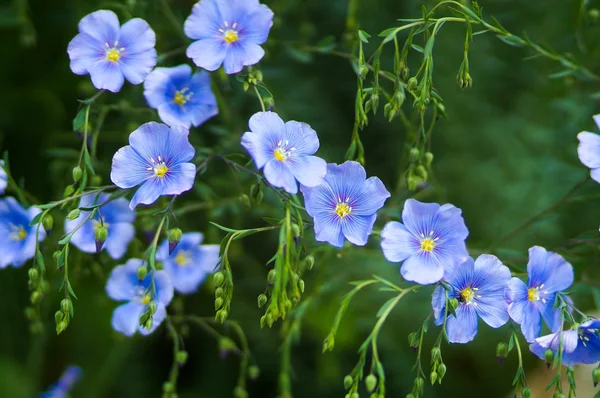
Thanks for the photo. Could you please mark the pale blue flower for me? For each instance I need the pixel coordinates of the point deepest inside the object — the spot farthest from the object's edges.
(3, 178)
(64, 385)
(18, 237)
(581, 345)
(589, 150)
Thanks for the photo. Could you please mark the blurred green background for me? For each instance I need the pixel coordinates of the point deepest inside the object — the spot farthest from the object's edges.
(506, 152)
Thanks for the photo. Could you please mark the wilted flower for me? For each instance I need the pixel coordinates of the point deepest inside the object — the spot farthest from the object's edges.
(124, 285)
(589, 150)
(18, 237)
(64, 385)
(429, 238)
(157, 157)
(285, 151)
(3, 178)
(111, 53)
(581, 345)
(189, 263)
(548, 273)
(227, 32)
(117, 218)
(345, 204)
(180, 97)
(479, 288)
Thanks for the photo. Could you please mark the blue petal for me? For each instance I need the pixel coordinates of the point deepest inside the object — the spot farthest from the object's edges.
(515, 294)
(256, 25)
(552, 316)
(278, 175)
(461, 275)
(595, 174)
(358, 228)
(397, 243)
(119, 237)
(438, 304)
(588, 354)
(136, 36)
(116, 211)
(531, 326)
(205, 20)
(301, 137)
(85, 237)
(158, 318)
(129, 169)
(241, 54)
(548, 269)
(422, 268)
(267, 129)
(3, 178)
(136, 67)
(172, 114)
(589, 149)
(462, 328)
(490, 277)
(107, 75)
(319, 200)
(207, 53)
(152, 139)
(179, 179)
(102, 25)
(123, 283)
(328, 229)
(346, 180)
(308, 170)
(126, 318)
(162, 83)
(84, 51)
(371, 197)
(164, 287)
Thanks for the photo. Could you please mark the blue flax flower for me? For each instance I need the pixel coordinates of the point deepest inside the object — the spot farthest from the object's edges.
(157, 157)
(189, 263)
(117, 218)
(3, 178)
(18, 238)
(429, 238)
(581, 345)
(227, 32)
(345, 204)
(548, 273)
(180, 97)
(111, 53)
(124, 285)
(589, 150)
(64, 385)
(479, 288)
(285, 151)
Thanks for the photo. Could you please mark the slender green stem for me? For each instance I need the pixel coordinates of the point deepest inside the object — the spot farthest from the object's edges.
(262, 104)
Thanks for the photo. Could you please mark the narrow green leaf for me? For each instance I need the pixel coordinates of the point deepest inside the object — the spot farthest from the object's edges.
(88, 162)
(71, 290)
(385, 306)
(79, 120)
(512, 40)
(363, 36)
(222, 228)
(36, 220)
(65, 240)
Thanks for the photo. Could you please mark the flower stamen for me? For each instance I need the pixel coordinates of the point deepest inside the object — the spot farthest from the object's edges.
(343, 209)
(181, 98)
(113, 54)
(18, 233)
(467, 295)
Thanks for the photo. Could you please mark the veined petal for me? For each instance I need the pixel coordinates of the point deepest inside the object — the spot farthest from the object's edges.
(173, 115)
(280, 176)
(129, 169)
(462, 327)
(207, 53)
(531, 325)
(308, 170)
(422, 268)
(319, 199)
(328, 229)
(204, 21)
(589, 149)
(84, 237)
(256, 25)
(126, 318)
(418, 217)
(358, 228)
(371, 197)
(551, 316)
(102, 25)
(135, 67)
(106, 75)
(301, 137)
(84, 51)
(561, 273)
(179, 179)
(241, 54)
(397, 243)
(136, 36)
(152, 139)
(438, 304)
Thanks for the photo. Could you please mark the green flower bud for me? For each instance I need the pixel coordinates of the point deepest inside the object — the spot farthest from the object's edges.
(375, 102)
(61, 326)
(433, 377)
(413, 83)
(348, 381)
(74, 214)
(239, 392)
(413, 154)
(371, 382)
(36, 297)
(245, 200)
(174, 238)
(222, 315)
(594, 14)
(526, 393)
(428, 158)
(548, 357)
(501, 351)
(411, 337)
(182, 357)
(410, 396)
(329, 343)
(596, 376)
(262, 300)
(295, 230)
(101, 235)
(48, 222)
(168, 387)
(66, 305)
(59, 316)
(148, 323)
(77, 173)
(436, 354)
(151, 307)
(399, 97)
(422, 172)
(301, 285)
(441, 371)
(219, 292)
(218, 278)
(309, 261)
(272, 276)
(142, 272)
(69, 191)
(218, 303)
(363, 71)
(33, 274)
(96, 181)
(418, 384)
(259, 197)
(253, 372)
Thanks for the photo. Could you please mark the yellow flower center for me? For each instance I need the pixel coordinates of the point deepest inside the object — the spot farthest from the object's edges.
(182, 96)
(146, 299)
(533, 294)
(182, 259)
(427, 244)
(280, 154)
(467, 295)
(160, 170)
(342, 209)
(230, 36)
(113, 55)
(18, 233)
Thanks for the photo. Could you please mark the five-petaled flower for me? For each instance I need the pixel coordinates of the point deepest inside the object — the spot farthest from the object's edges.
(64, 385)
(479, 288)
(157, 157)
(549, 274)
(589, 150)
(18, 237)
(111, 53)
(345, 204)
(124, 285)
(190, 262)
(580, 345)
(285, 151)
(114, 215)
(181, 98)
(430, 238)
(3, 178)
(227, 32)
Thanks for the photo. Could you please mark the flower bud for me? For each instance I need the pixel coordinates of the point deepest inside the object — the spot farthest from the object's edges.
(96, 181)
(441, 371)
(33, 274)
(69, 191)
(174, 238)
(262, 300)
(148, 323)
(36, 297)
(295, 230)
(413, 83)
(375, 102)
(219, 292)
(433, 377)
(501, 352)
(245, 200)
(301, 285)
(168, 387)
(56, 256)
(272, 276)
(218, 303)
(253, 372)
(548, 357)
(329, 343)
(418, 384)
(152, 307)
(596, 376)
(526, 393)
(363, 71)
(77, 173)
(66, 305)
(348, 382)
(309, 261)
(413, 154)
(182, 357)
(48, 222)
(428, 158)
(239, 392)
(435, 354)
(371, 382)
(74, 214)
(58, 316)
(221, 315)
(218, 278)
(422, 172)
(101, 235)
(411, 336)
(142, 271)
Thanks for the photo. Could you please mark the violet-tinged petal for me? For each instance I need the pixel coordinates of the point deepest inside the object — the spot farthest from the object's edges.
(136, 37)
(136, 67)
(358, 228)
(84, 52)
(462, 327)
(204, 20)
(207, 53)
(551, 316)
(122, 282)
(328, 229)
(280, 176)
(397, 243)
(438, 304)
(126, 318)
(102, 25)
(301, 137)
(107, 75)
(589, 149)
(129, 169)
(118, 239)
(422, 269)
(240, 55)
(308, 170)
(531, 326)
(259, 24)
(164, 287)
